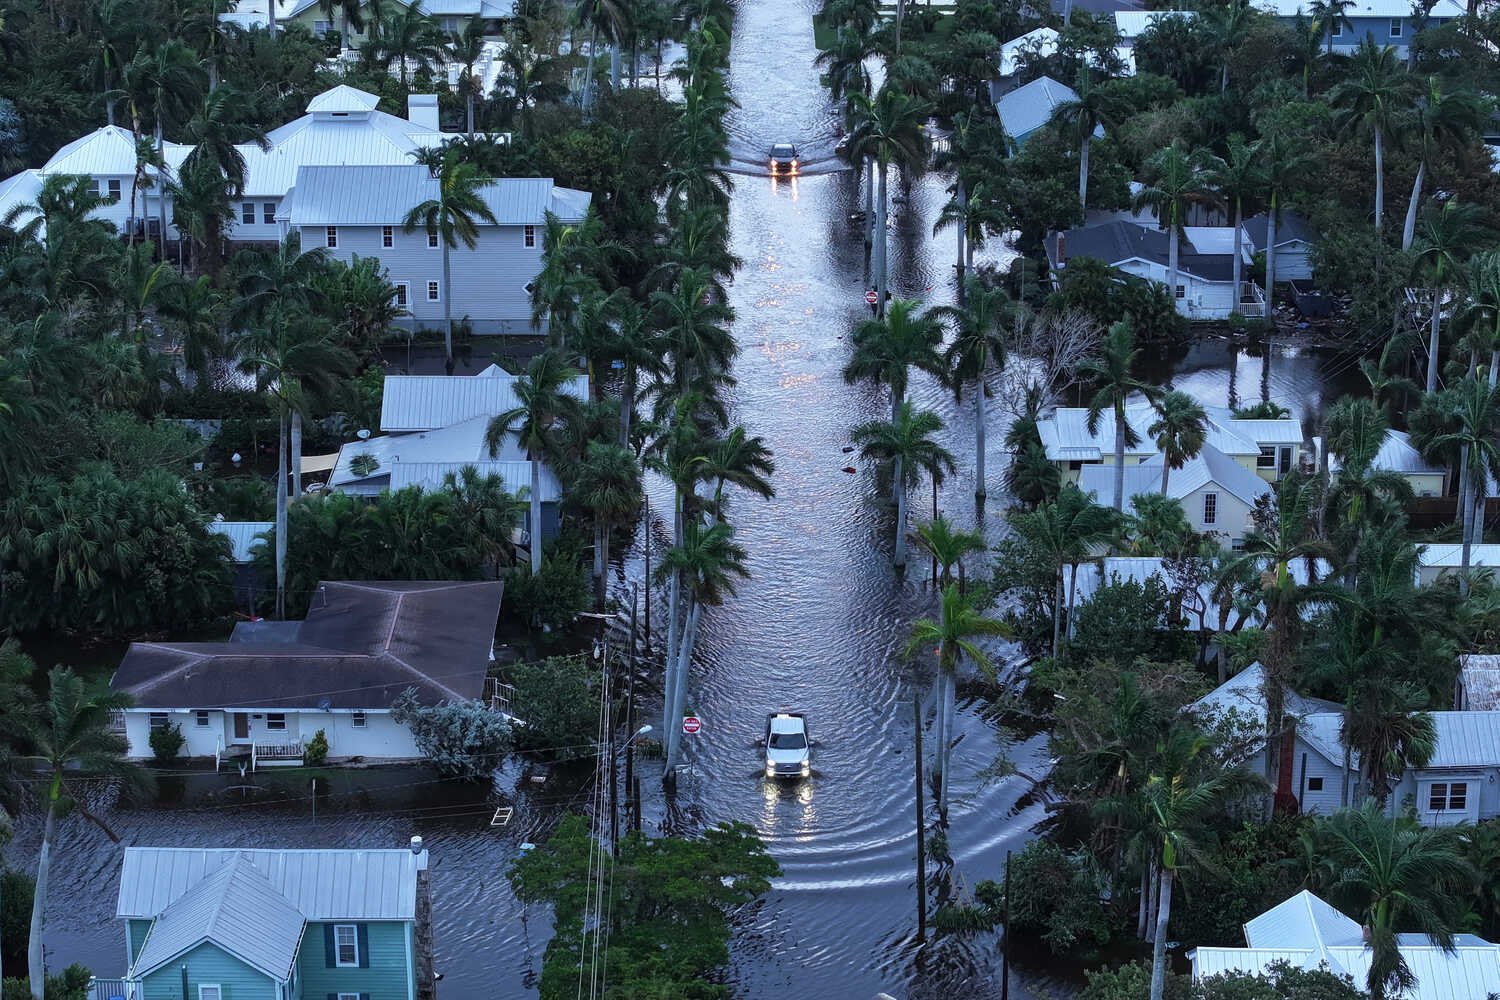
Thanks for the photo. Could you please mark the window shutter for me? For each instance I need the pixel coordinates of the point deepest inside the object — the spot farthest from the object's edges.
(330, 956)
(333, 996)
(364, 945)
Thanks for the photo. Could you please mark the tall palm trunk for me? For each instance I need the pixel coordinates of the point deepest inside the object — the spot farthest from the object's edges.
(588, 69)
(1159, 947)
(880, 238)
(1379, 177)
(627, 405)
(1173, 248)
(679, 687)
(35, 958)
(1120, 458)
(614, 65)
(950, 686)
(296, 458)
(900, 557)
(669, 665)
(979, 487)
(161, 194)
(1083, 169)
(1237, 268)
(1271, 258)
(963, 203)
(1166, 470)
(601, 540)
(1057, 610)
(869, 201)
(1434, 328)
(281, 514)
(1143, 910)
(536, 514)
(447, 302)
(1409, 231)
(1465, 491)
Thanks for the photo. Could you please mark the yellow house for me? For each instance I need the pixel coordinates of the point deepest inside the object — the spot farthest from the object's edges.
(1397, 455)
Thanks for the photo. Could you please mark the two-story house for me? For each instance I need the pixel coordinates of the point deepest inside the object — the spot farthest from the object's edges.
(1385, 22)
(237, 924)
(1217, 493)
(360, 210)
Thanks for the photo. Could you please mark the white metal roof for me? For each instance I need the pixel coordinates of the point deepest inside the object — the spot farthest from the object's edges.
(516, 476)
(1396, 454)
(462, 443)
(20, 189)
(363, 138)
(1362, 8)
(242, 536)
(1209, 466)
(108, 151)
(1465, 740)
(426, 402)
(1449, 555)
(235, 908)
(1303, 920)
(1028, 107)
(322, 884)
(1479, 678)
(343, 99)
(1043, 40)
(366, 195)
(1131, 23)
(1211, 239)
(1244, 694)
(1065, 433)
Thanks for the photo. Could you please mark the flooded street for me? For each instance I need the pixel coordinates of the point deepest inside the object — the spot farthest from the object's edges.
(819, 627)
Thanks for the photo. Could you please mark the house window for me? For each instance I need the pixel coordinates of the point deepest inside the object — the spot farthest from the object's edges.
(1448, 796)
(360, 720)
(345, 945)
(268, 212)
(333, 236)
(1314, 784)
(160, 720)
(276, 721)
(114, 190)
(432, 241)
(1267, 458)
(432, 291)
(210, 991)
(388, 236)
(201, 717)
(1182, 291)
(1076, 465)
(348, 996)
(1337, 30)
(322, 27)
(1396, 26)
(1210, 508)
(530, 236)
(401, 294)
(247, 213)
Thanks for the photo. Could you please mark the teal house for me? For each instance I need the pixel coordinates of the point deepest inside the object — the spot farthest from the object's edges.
(229, 924)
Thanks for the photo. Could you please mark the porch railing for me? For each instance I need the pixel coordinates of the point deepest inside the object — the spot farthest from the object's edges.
(112, 989)
(1250, 301)
(273, 754)
(499, 695)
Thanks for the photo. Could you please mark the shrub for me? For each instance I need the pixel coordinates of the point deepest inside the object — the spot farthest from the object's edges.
(1123, 621)
(1055, 894)
(553, 597)
(463, 739)
(316, 751)
(70, 984)
(166, 742)
(555, 697)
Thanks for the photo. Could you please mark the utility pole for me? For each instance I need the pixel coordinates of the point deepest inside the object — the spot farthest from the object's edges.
(647, 544)
(1005, 942)
(630, 711)
(916, 705)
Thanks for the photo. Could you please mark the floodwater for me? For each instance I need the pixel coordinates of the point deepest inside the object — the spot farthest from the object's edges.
(819, 627)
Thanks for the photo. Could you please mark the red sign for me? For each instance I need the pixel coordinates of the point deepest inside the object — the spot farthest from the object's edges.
(691, 724)
(871, 297)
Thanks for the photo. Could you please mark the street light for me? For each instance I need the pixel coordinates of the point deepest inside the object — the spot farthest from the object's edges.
(614, 810)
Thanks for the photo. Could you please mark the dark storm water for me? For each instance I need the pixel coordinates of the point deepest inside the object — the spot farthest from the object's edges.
(819, 627)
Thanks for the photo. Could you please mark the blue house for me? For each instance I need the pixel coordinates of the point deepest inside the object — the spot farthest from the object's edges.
(230, 924)
(1386, 22)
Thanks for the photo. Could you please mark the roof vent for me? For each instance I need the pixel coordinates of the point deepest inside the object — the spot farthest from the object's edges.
(416, 844)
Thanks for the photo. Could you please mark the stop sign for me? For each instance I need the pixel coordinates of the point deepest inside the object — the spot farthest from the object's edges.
(691, 724)
(871, 297)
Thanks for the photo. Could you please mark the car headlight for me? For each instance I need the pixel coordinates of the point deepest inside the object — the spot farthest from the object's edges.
(770, 768)
(806, 768)
(794, 164)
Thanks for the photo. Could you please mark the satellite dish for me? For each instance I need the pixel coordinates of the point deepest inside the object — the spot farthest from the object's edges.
(363, 433)
(324, 704)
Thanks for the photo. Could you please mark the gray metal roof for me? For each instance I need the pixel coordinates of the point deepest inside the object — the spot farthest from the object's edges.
(343, 99)
(1465, 739)
(427, 402)
(1291, 227)
(322, 885)
(1029, 107)
(242, 536)
(516, 475)
(361, 645)
(1130, 24)
(364, 195)
(236, 908)
(1479, 681)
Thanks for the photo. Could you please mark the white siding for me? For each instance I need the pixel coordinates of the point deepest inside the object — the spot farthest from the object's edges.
(1202, 299)
(380, 738)
(1232, 517)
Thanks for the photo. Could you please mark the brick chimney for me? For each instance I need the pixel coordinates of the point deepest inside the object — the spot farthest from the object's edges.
(1062, 247)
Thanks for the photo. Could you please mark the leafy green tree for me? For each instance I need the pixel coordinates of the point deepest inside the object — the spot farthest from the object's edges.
(906, 445)
(558, 699)
(68, 741)
(463, 739)
(1065, 530)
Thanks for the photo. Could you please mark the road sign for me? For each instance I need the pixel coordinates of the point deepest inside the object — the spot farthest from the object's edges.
(871, 297)
(691, 724)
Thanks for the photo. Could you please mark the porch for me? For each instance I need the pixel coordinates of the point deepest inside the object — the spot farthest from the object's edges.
(258, 755)
(112, 989)
(1250, 301)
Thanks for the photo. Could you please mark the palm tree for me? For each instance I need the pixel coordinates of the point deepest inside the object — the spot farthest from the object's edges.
(1067, 530)
(1228, 25)
(639, 348)
(1180, 179)
(1238, 178)
(888, 129)
(971, 214)
(542, 406)
(408, 37)
(1331, 15)
(844, 65)
(465, 47)
(706, 561)
(351, 15)
(1446, 239)
(165, 82)
(906, 445)
(217, 131)
(977, 349)
(613, 19)
(1180, 429)
(293, 357)
(1393, 874)
(484, 512)
(608, 484)
(1481, 310)
(526, 80)
(1284, 166)
(737, 459)
(1094, 108)
(1116, 384)
(888, 348)
(696, 329)
(1439, 121)
(69, 743)
(1475, 410)
(954, 635)
(452, 216)
(1372, 97)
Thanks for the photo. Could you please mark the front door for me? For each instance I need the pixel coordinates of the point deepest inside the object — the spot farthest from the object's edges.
(241, 726)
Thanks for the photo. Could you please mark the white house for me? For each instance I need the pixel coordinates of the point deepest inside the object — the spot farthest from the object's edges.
(359, 210)
(1295, 237)
(1269, 448)
(1441, 558)
(1305, 932)
(264, 693)
(1216, 492)
(1397, 455)
(1205, 263)
(1386, 22)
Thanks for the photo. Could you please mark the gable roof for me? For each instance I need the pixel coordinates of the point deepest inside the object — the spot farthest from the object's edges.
(235, 908)
(1207, 253)
(360, 646)
(1291, 227)
(1209, 467)
(107, 150)
(433, 453)
(1030, 106)
(427, 402)
(1396, 454)
(242, 536)
(1043, 39)
(1362, 8)
(1302, 920)
(321, 884)
(376, 195)
(1244, 694)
